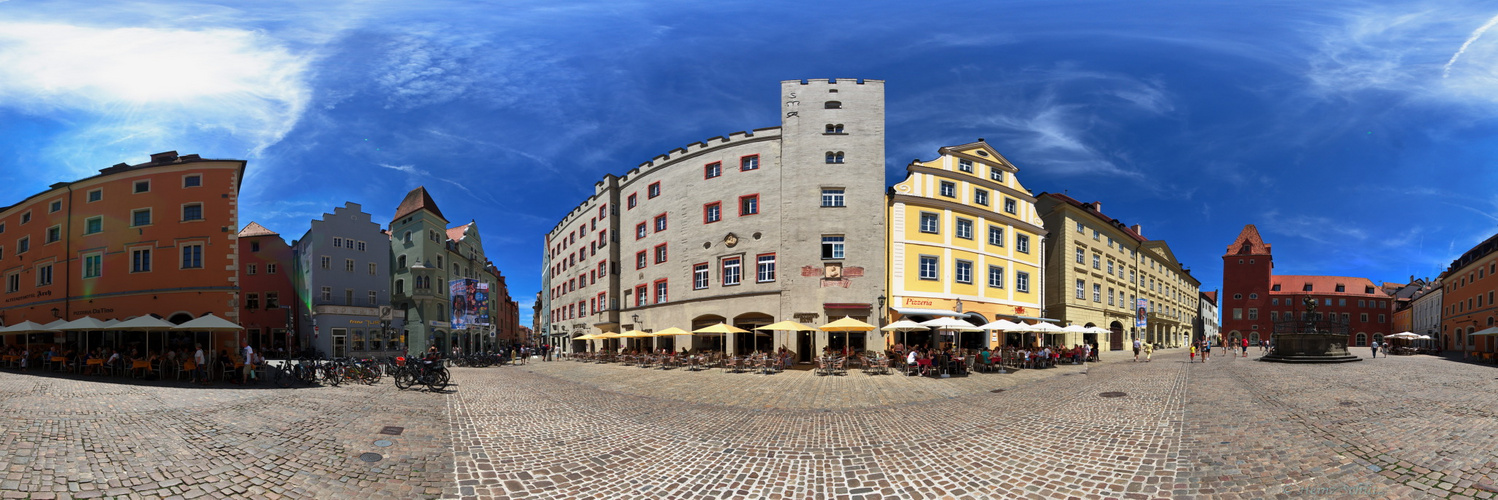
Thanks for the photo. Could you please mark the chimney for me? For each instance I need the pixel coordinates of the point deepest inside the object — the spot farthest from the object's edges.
(1139, 230)
(166, 157)
(1097, 206)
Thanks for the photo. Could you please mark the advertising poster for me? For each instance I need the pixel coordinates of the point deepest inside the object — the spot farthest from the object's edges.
(470, 303)
(481, 299)
(1141, 310)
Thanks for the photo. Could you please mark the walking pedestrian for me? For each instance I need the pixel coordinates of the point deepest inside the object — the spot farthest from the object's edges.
(1136, 350)
(1245, 347)
(1375, 349)
(1149, 350)
(1206, 350)
(1193, 353)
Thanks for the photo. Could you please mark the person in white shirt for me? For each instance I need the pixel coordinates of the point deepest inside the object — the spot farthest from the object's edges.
(247, 356)
(198, 369)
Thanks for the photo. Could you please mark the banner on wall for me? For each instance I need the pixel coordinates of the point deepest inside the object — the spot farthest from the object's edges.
(470, 303)
(1141, 310)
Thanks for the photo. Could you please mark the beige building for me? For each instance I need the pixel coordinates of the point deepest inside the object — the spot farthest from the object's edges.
(1104, 273)
(782, 223)
(965, 242)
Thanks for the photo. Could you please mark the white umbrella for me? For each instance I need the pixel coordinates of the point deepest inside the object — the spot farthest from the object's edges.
(903, 325)
(948, 323)
(1004, 325)
(209, 323)
(86, 323)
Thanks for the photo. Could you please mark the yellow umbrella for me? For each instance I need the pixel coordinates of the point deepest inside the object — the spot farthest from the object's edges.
(788, 326)
(671, 331)
(634, 334)
(848, 325)
(584, 337)
(720, 328)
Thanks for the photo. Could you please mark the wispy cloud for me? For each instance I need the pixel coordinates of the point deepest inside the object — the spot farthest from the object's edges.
(1401, 49)
(1446, 70)
(409, 169)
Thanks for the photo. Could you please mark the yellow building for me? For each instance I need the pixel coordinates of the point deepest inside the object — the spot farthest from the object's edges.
(964, 241)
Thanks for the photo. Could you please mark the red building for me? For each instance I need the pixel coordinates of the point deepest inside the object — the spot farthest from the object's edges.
(265, 284)
(1253, 298)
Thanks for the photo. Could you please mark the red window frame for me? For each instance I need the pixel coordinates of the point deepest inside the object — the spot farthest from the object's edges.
(755, 196)
(723, 271)
(708, 206)
(593, 306)
(603, 268)
(743, 160)
(707, 170)
(634, 199)
(642, 295)
(603, 211)
(660, 254)
(660, 222)
(641, 259)
(603, 304)
(603, 238)
(641, 230)
(756, 268)
(653, 190)
(662, 289)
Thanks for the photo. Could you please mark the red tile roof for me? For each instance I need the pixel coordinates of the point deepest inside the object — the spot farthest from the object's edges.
(1293, 284)
(255, 229)
(456, 233)
(1211, 295)
(417, 199)
(1249, 243)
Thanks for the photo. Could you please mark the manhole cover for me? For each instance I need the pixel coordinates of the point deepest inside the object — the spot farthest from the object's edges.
(370, 457)
(1113, 394)
(383, 443)
(393, 431)
(996, 391)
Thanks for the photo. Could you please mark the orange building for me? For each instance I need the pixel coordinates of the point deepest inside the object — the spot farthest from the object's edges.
(154, 238)
(265, 268)
(1467, 303)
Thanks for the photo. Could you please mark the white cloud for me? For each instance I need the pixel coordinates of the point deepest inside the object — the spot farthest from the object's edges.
(1446, 70)
(1428, 52)
(145, 89)
(410, 169)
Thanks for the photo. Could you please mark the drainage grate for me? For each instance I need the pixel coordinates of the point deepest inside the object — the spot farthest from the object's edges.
(1113, 394)
(393, 431)
(996, 391)
(383, 443)
(371, 457)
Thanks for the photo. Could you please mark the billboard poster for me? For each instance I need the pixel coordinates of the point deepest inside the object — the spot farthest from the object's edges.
(481, 299)
(1141, 309)
(470, 303)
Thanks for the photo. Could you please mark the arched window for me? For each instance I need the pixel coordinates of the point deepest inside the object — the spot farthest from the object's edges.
(400, 262)
(400, 286)
(1362, 339)
(834, 105)
(835, 129)
(834, 157)
(408, 236)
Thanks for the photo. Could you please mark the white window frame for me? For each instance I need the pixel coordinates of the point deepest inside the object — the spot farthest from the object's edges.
(98, 261)
(96, 218)
(700, 276)
(1022, 282)
(733, 270)
(962, 271)
(838, 247)
(1082, 289)
(764, 268)
(995, 235)
(834, 197)
(182, 257)
(995, 276)
(928, 267)
(964, 228)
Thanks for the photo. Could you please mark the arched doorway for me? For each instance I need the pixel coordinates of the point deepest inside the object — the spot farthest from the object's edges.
(1378, 337)
(1115, 336)
(1253, 338)
(744, 343)
(714, 342)
(1360, 340)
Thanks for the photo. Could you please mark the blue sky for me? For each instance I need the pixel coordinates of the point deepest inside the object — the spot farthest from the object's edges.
(1359, 137)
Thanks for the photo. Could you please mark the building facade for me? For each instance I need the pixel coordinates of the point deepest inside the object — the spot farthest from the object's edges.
(1207, 324)
(155, 238)
(965, 241)
(783, 223)
(1468, 298)
(268, 309)
(1104, 273)
(449, 290)
(1254, 298)
(343, 280)
(1425, 314)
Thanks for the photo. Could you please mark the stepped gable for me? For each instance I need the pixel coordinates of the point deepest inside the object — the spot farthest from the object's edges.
(1249, 243)
(455, 234)
(255, 229)
(417, 199)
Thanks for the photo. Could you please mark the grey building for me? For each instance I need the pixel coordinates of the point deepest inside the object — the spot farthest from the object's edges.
(343, 281)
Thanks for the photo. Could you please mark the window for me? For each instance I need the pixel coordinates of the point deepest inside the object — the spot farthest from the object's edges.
(373, 269)
(26, 217)
(326, 262)
(1255, 296)
(765, 268)
(995, 277)
(252, 301)
(1380, 318)
(948, 189)
(142, 186)
(640, 231)
(1341, 288)
(1237, 313)
(54, 206)
(751, 162)
(965, 165)
(1307, 287)
(964, 228)
(337, 242)
(749, 205)
(699, 276)
(1081, 289)
(832, 247)
(1097, 261)
(360, 246)
(12, 282)
(733, 268)
(633, 200)
(603, 238)
(653, 190)
(348, 296)
(660, 291)
(1080, 228)
(95, 195)
(712, 212)
(1274, 315)
(963, 272)
(660, 253)
(714, 169)
(23, 245)
(251, 269)
(995, 174)
(44, 275)
(996, 236)
(54, 234)
(140, 260)
(141, 217)
(327, 294)
(192, 212)
(642, 296)
(641, 260)
(1253, 313)
(1110, 266)
(834, 128)
(1022, 282)
(192, 256)
(1011, 206)
(980, 196)
(270, 269)
(1110, 295)
(1097, 293)
(833, 105)
(1363, 317)
(834, 157)
(928, 223)
(928, 267)
(190, 181)
(1022, 243)
(833, 198)
(660, 223)
(93, 265)
(374, 298)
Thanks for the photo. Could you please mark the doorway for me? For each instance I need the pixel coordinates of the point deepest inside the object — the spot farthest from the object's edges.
(1115, 337)
(340, 339)
(803, 347)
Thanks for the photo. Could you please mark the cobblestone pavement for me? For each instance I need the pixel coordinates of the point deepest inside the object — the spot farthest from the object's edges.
(86, 438)
(1403, 427)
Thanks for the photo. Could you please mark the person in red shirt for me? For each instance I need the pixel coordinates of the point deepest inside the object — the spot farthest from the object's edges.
(1245, 347)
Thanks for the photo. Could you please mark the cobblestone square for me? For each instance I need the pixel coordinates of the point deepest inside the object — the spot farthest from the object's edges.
(1402, 427)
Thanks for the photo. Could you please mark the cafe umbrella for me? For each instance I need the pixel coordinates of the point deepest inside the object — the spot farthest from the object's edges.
(848, 324)
(786, 326)
(723, 329)
(903, 326)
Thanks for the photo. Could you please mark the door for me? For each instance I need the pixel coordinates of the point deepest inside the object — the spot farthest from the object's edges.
(1115, 337)
(803, 347)
(340, 345)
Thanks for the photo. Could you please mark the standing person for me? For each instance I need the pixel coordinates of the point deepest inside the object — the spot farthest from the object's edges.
(247, 356)
(1375, 349)
(1136, 349)
(1245, 347)
(198, 360)
(1149, 351)
(1206, 350)
(1193, 353)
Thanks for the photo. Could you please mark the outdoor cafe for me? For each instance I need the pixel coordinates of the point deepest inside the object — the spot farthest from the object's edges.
(138, 347)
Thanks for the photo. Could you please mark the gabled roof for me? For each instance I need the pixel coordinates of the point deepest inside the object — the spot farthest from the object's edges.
(1248, 243)
(1212, 296)
(455, 234)
(1090, 209)
(1294, 284)
(979, 151)
(255, 229)
(416, 200)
